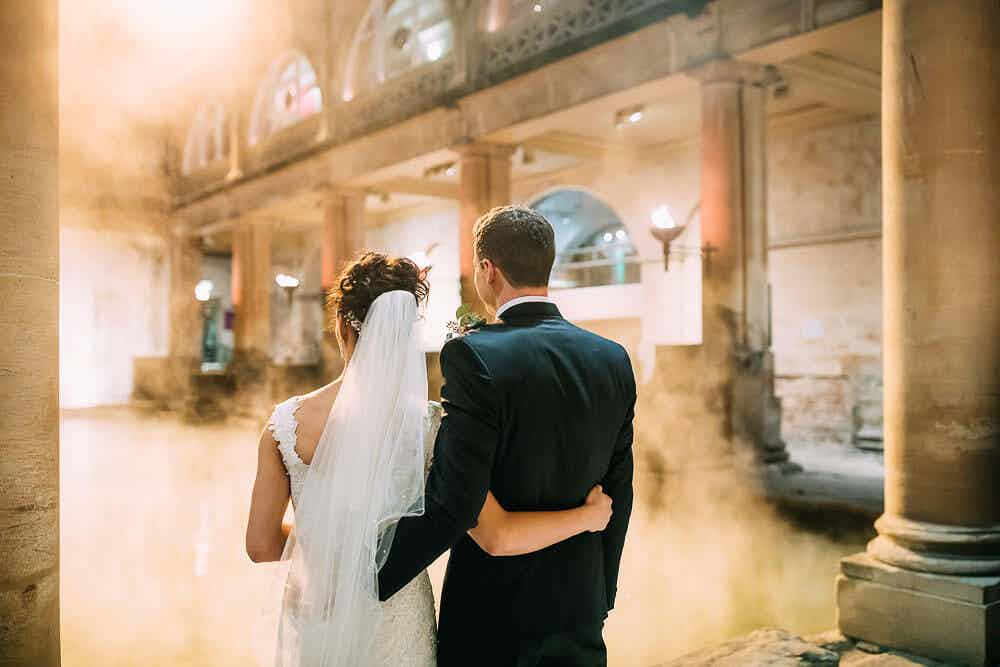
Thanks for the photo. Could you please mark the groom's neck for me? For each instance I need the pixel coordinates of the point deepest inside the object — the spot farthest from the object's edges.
(510, 293)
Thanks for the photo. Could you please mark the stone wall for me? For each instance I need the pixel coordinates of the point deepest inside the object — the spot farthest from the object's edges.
(426, 234)
(112, 308)
(824, 217)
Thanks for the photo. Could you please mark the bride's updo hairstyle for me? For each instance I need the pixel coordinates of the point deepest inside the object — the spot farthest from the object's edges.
(369, 277)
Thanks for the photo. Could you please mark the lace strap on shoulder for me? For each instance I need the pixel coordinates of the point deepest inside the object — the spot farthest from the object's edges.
(283, 427)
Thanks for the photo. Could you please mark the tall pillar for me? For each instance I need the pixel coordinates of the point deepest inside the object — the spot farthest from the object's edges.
(251, 285)
(736, 312)
(343, 240)
(29, 329)
(485, 184)
(185, 316)
(930, 582)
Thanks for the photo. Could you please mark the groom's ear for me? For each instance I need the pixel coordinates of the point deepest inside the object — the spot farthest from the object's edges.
(493, 274)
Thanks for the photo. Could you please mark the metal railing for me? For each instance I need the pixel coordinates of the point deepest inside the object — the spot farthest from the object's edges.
(594, 266)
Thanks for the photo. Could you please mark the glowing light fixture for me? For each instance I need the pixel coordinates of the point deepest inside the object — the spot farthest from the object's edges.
(662, 218)
(446, 169)
(537, 8)
(665, 230)
(621, 235)
(421, 259)
(287, 283)
(629, 115)
(434, 50)
(203, 290)
(285, 280)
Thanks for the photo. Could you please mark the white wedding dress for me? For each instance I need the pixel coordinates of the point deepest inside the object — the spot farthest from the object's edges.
(407, 634)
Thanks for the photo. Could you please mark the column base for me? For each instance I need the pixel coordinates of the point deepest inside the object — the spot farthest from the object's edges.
(950, 618)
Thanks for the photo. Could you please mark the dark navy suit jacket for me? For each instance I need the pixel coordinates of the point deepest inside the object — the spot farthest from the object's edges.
(538, 411)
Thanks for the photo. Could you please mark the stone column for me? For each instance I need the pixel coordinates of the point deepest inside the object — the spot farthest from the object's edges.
(736, 312)
(185, 317)
(29, 329)
(930, 582)
(485, 183)
(251, 285)
(343, 241)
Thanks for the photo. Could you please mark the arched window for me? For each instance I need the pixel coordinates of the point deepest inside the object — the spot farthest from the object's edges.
(289, 95)
(394, 37)
(592, 245)
(207, 140)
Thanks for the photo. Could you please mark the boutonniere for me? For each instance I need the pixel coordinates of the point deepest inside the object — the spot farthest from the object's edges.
(466, 321)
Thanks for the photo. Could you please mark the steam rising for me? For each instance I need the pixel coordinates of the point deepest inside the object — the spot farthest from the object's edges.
(154, 571)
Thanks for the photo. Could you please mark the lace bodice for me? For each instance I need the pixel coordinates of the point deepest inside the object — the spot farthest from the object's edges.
(407, 635)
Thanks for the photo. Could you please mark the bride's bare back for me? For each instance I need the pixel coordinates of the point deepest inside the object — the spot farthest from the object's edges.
(314, 410)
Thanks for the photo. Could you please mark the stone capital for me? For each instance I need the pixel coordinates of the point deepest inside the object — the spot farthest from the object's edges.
(726, 70)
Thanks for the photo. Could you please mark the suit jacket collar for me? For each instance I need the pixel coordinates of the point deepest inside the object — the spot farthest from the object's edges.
(532, 310)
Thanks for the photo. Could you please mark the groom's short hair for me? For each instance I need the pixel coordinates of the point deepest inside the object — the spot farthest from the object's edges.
(520, 242)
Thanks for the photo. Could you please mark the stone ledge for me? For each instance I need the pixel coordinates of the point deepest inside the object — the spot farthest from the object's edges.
(778, 648)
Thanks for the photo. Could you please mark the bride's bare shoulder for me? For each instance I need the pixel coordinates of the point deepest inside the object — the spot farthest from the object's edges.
(318, 402)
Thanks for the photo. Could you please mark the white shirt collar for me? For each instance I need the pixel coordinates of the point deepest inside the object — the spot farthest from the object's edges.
(522, 299)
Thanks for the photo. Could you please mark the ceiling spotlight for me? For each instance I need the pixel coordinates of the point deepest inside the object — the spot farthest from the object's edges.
(629, 115)
(448, 169)
(537, 8)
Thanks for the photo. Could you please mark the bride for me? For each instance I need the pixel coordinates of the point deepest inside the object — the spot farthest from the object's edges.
(352, 456)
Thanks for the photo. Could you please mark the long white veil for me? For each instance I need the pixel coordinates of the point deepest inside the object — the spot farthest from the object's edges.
(366, 474)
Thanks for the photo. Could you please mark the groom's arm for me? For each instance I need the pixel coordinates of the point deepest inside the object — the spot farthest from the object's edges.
(618, 484)
(460, 473)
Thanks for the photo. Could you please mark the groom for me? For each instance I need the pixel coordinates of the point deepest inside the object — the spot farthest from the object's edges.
(538, 411)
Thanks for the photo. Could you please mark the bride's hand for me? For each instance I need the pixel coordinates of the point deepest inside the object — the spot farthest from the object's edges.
(598, 507)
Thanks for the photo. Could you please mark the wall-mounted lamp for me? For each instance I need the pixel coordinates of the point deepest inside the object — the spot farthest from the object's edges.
(665, 230)
(203, 290)
(422, 258)
(629, 115)
(287, 283)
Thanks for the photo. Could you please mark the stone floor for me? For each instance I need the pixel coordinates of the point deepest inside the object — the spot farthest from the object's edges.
(832, 476)
(778, 648)
(154, 572)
